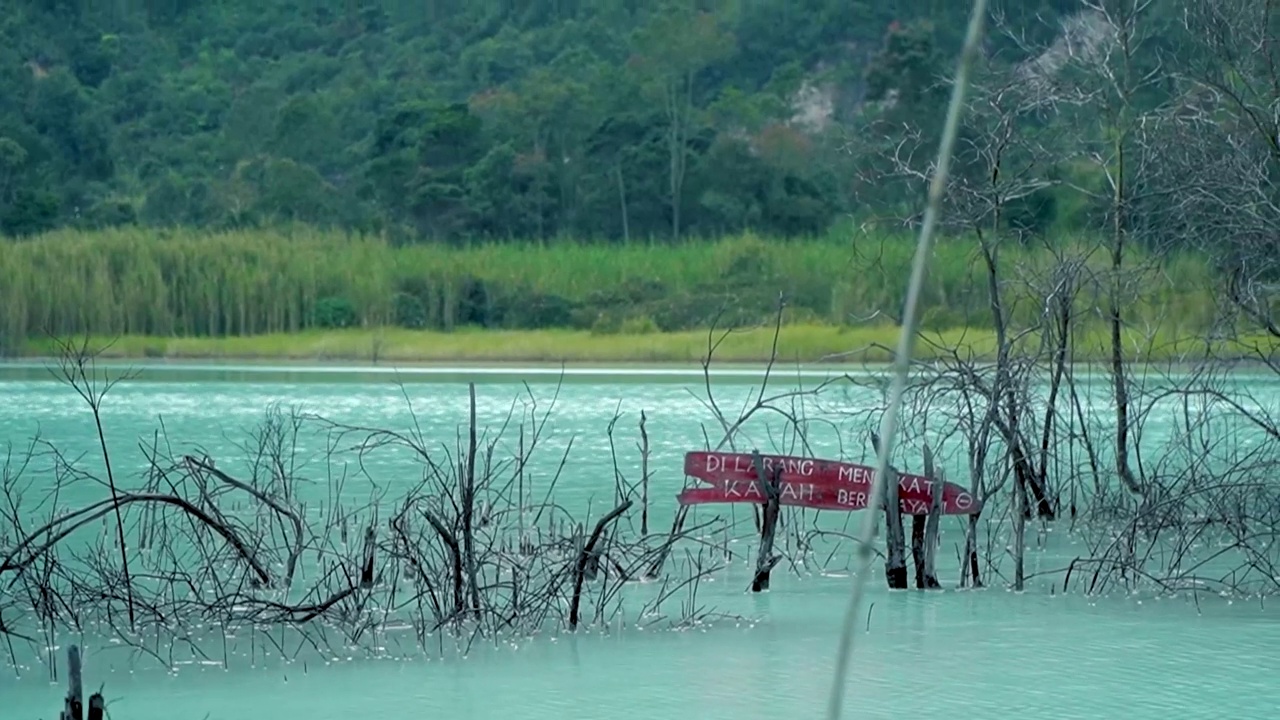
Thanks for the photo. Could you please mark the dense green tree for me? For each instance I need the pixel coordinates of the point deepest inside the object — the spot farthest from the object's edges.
(449, 120)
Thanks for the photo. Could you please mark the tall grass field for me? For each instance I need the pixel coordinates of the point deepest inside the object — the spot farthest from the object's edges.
(307, 294)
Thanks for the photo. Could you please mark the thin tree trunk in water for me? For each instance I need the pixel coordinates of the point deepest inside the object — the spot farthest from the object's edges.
(917, 549)
(589, 555)
(969, 568)
(895, 564)
(1119, 211)
(469, 504)
(1055, 383)
(644, 477)
(770, 490)
(931, 524)
(366, 567)
(1120, 383)
(971, 552)
(1019, 531)
(890, 502)
(925, 528)
(111, 484)
(526, 547)
(1022, 465)
(74, 707)
(1004, 384)
(455, 554)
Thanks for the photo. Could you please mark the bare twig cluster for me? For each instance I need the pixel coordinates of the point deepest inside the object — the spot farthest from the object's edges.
(327, 545)
(1191, 511)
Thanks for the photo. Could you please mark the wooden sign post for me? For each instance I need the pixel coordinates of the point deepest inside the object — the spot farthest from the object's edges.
(772, 480)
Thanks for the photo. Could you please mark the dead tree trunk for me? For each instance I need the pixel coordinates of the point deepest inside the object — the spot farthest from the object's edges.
(644, 477)
(770, 489)
(931, 526)
(526, 545)
(917, 548)
(677, 526)
(74, 709)
(924, 530)
(1019, 532)
(469, 505)
(1004, 387)
(366, 568)
(455, 553)
(971, 555)
(584, 559)
(895, 564)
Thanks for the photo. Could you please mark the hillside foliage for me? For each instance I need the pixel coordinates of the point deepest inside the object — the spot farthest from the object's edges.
(450, 120)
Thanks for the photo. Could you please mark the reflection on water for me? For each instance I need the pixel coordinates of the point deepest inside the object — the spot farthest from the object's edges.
(986, 653)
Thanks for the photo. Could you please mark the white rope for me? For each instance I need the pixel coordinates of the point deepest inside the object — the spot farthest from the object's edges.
(902, 360)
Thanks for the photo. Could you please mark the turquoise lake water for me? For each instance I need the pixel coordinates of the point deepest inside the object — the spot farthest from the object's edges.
(989, 653)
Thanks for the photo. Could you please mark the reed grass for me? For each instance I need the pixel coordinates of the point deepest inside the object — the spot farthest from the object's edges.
(272, 293)
(804, 343)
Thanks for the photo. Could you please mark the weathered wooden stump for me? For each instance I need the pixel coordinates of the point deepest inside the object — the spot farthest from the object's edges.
(644, 477)
(366, 568)
(924, 530)
(895, 563)
(770, 488)
(74, 706)
(74, 709)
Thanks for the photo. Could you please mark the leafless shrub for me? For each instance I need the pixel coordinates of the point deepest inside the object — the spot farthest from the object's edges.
(322, 551)
(1023, 420)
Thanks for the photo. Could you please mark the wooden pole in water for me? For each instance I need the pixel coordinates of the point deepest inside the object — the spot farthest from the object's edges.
(469, 504)
(769, 487)
(366, 569)
(895, 562)
(917, 548)
(924, 529)
(931, 534)
(526, 548)
(74, 709)
(644, 477)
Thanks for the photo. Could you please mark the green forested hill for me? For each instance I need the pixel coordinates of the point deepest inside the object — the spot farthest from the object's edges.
(457, 119)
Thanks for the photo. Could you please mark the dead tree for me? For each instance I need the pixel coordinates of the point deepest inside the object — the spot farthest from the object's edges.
(924, 530)
(588, 555)
(1218, 158)
(895, 564)
(211, 532)
(1002, 168)
(769, 489)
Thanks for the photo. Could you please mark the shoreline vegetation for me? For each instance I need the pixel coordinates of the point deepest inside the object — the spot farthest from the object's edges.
(798, 345)
(301, 294)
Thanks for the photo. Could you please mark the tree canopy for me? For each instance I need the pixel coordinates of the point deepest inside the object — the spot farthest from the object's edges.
(448, 120)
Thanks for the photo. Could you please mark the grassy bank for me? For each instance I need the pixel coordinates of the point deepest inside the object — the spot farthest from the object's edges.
(652, 296)
(798, 343)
